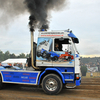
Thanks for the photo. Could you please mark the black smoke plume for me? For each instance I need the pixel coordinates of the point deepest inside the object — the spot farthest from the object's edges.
(10, 9)
(40, 9)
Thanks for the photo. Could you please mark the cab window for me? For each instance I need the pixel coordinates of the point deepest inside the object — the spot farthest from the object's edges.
(62, 44)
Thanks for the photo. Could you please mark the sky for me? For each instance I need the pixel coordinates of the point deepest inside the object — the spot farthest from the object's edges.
(81, 16)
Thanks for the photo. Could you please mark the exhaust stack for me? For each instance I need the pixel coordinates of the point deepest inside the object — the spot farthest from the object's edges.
(32, 19)
(32, 48)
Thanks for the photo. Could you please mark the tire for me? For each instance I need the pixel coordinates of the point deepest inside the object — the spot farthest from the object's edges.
(1, 84)
(52, 84)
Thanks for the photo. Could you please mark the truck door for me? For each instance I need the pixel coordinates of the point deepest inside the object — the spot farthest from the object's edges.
(64, 54)
(44, 46)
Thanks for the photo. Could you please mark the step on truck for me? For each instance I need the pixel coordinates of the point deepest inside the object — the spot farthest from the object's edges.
(53, 69)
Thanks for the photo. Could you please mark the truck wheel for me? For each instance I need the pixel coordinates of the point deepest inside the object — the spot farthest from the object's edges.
(1, 84)
(52, 84)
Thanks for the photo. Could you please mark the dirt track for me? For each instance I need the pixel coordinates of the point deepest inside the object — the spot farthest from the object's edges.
(88, 90)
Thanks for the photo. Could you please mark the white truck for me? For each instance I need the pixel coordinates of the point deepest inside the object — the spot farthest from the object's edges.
(51, 74)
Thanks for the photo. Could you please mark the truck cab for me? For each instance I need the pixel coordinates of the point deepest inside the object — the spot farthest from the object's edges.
(52, 68)
(65, 56)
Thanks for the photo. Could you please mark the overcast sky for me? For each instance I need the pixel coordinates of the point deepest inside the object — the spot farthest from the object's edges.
(81, 16)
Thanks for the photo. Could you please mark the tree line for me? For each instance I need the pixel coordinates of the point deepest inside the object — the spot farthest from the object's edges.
(7, 55)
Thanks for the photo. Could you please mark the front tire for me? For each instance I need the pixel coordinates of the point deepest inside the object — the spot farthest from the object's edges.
(52, 84)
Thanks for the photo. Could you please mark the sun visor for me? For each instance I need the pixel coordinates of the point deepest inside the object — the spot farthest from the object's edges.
(74, 38)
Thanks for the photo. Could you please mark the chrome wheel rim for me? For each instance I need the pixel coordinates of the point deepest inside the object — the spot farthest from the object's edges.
(51, 84)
